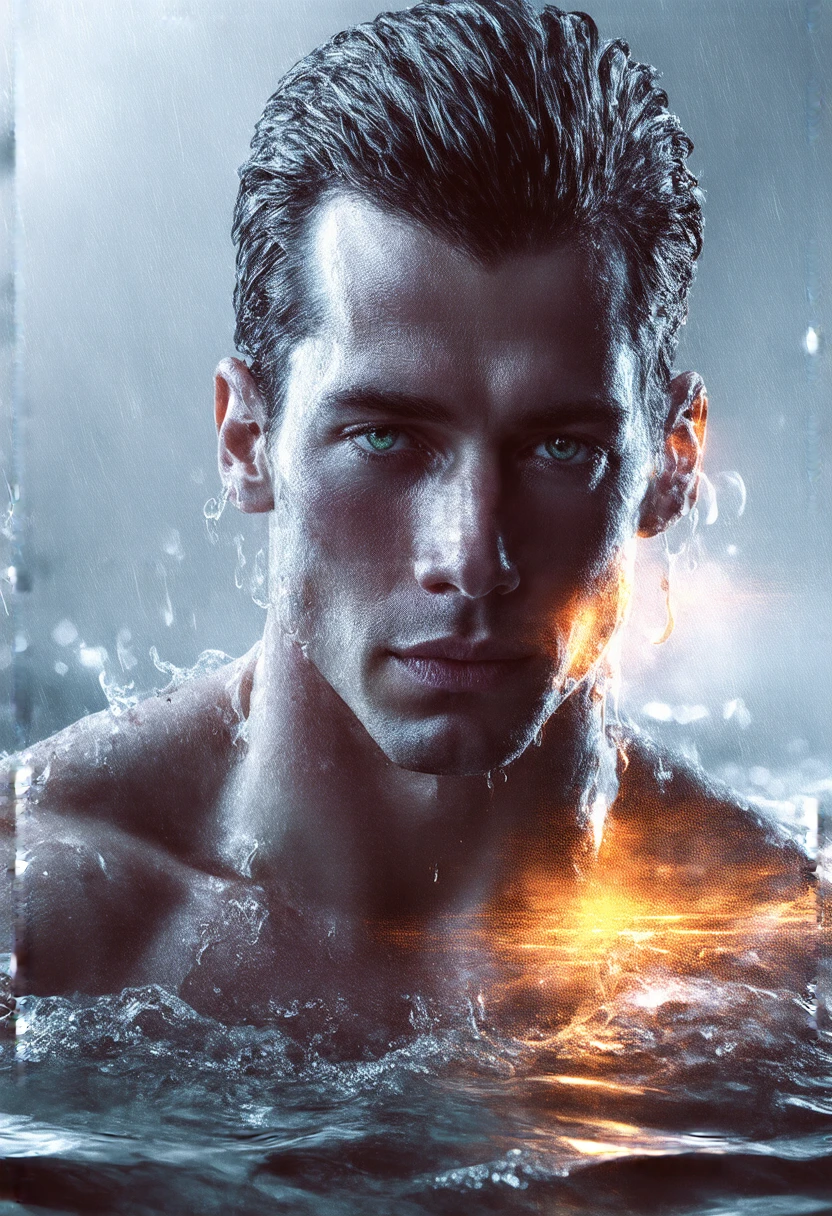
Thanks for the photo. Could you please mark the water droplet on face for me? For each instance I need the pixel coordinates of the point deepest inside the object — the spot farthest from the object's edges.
(489, 781)
(538, 739)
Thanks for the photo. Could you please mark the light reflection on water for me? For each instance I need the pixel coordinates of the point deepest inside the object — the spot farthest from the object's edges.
(135, 1103)
(689, 1077)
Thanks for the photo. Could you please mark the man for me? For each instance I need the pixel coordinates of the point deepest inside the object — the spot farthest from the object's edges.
(466, 234)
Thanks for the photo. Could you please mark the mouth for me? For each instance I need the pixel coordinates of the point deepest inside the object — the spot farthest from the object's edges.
(454, 664)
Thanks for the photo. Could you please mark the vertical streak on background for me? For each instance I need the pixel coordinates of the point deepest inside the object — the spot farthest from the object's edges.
(19, 565)
(811, 342)
(817, 270)
(7, 563)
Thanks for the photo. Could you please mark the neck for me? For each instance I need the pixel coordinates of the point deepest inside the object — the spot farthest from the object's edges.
(316, 811)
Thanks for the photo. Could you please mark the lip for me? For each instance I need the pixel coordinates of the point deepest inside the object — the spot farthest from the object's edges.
(453, 664)
(463, 650)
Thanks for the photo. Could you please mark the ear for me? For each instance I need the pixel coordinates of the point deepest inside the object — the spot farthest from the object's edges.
(675, 483)
(242, 418)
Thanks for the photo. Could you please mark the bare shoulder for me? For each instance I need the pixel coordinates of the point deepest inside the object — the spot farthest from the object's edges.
(152, 771)
(673, 821)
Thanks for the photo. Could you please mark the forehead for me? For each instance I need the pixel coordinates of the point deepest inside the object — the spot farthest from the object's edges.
(397, 303)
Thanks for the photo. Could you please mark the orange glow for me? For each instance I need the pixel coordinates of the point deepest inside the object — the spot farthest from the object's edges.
(597, 624)
(671, 618)
(611, 1086)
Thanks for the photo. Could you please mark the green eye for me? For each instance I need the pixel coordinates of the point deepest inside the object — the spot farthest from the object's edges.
(381, 439)
(563, 449)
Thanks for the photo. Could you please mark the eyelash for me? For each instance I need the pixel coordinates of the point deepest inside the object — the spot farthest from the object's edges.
(588, 451)
(369, 430)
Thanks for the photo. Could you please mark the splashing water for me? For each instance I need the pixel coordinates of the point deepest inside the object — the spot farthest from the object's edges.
(672, 1096)
(212, 511)
(691, 1078)
(120, 697)
(239, 576)
(259, 578)
(208, 662)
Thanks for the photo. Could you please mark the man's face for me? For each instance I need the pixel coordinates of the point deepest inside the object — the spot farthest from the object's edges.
(458, 468)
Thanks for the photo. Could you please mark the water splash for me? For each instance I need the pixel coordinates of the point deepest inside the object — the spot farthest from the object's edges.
(259, 587)
(207, 663)
(120, 697)
(212, 511)
(246, 914)
(239, 576)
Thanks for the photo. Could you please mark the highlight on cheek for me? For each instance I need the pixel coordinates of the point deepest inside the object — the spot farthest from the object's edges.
(597, 623)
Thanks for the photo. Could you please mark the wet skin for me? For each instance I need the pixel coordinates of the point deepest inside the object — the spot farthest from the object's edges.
(461, 462)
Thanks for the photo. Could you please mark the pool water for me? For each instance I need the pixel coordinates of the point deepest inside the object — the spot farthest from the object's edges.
(691, 1076)
(676, 1093)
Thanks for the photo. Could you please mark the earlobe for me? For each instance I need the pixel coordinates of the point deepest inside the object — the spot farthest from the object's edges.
(674, 487)
(241, 417)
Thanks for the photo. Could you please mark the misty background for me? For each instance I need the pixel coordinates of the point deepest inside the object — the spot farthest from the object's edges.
(130, 123)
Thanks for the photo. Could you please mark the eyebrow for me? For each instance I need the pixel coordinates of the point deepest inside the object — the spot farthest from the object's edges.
(595, 410)
(404, 406)
(389, 402)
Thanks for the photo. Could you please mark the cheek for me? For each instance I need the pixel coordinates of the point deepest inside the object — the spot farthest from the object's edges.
(571, 537)
(337, 540)
(613, 518)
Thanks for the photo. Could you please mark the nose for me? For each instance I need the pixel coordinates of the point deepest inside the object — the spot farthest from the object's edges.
(462, 547)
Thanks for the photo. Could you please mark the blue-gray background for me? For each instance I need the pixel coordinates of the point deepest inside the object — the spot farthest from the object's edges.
(131, 120)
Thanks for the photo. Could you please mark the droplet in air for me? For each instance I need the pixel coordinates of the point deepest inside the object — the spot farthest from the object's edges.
(172, 544)
(258, 580)
(167, 606)
(124, 650)
(64, 633)
(811, 341)
(93, 657)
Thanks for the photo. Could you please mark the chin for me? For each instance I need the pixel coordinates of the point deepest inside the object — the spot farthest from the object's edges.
(446, 748)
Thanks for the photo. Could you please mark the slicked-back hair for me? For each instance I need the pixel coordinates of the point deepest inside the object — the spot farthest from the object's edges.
(499, 128)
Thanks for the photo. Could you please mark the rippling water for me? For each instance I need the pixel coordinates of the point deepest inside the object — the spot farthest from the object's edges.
(690, 1081)
(676, 1095)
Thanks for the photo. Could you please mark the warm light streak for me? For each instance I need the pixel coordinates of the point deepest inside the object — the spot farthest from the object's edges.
(595, 1083)
(670, 623)
(597, 1148)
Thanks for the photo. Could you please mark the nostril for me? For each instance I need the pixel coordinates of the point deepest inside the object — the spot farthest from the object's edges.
(438, 586)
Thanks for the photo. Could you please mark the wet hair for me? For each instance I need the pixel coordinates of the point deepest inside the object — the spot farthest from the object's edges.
(500, 128)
